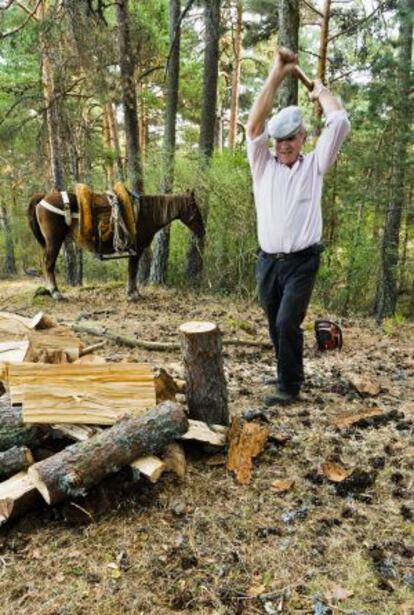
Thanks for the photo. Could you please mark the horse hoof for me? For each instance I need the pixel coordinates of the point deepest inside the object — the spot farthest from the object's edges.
(57, 296)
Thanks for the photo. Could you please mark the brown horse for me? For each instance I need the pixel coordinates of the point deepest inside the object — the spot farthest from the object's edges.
(154, 212)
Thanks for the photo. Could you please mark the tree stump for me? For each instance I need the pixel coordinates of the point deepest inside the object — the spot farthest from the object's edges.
(206, 389)
(80, 466)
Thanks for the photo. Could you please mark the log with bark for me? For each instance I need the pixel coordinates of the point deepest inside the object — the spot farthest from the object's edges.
(12, 430)
(80, 466)
(206, 389)
(14, 460)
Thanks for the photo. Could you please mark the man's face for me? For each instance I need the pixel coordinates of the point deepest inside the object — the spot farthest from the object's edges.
(288, 150)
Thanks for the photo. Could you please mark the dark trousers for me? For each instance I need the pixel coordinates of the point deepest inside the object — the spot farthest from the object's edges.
(285, 286)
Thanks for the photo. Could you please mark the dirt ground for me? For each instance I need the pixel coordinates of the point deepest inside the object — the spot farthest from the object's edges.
(207, 545)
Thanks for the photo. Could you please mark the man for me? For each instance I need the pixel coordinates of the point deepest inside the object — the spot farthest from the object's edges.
(287, 191)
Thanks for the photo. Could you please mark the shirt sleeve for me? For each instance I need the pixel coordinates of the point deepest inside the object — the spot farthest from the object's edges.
(258, 153)
(333, 135)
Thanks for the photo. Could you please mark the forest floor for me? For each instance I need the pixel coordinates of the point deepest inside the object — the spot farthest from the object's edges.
(206, 544)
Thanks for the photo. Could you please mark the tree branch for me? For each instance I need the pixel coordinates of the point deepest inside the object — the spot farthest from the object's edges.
(22, 25)
(357, 24)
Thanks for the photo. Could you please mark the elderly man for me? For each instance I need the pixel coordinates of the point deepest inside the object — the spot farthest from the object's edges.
(287, 191)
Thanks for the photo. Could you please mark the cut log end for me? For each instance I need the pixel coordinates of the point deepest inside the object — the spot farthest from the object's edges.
(195, 327)
(39, 484)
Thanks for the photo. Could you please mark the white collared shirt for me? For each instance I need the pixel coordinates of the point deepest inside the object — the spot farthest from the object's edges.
(288, 199)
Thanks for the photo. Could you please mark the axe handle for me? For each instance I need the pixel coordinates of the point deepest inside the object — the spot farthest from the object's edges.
(308, 83)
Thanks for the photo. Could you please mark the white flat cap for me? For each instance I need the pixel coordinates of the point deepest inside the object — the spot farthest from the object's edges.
(286, 123)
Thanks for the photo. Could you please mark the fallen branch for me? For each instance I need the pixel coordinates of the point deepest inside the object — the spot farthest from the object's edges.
(161, 346)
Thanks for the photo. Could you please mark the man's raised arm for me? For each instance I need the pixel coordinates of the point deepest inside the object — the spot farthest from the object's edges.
(336, 129)
(283, 65)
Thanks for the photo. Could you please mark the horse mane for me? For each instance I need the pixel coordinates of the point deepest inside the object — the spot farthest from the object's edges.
(165, 207)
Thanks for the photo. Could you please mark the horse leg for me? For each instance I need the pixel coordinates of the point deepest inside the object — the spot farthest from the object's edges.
(50, 256)
(133, 293)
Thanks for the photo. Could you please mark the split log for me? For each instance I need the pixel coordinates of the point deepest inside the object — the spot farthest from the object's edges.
(206, 389)
(80, 466)
(210, 434)
(13, 351)
(81, 393)
(174, 459)
(149, 466)
(17, 496)
(12, 430)
(12, 321)
(245, 443)
(15, 459)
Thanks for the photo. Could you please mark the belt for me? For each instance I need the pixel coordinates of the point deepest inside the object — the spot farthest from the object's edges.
(315, 248)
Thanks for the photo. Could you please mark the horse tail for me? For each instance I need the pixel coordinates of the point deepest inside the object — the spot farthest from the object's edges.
(34, 224)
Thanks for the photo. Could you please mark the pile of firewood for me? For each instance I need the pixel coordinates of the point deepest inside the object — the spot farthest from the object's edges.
(118, 414)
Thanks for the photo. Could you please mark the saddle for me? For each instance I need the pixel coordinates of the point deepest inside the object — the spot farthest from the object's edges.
(105, 217)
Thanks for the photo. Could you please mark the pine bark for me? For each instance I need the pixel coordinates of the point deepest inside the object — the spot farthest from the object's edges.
(80, 466)
(206, 390)
(288, 36)
(387, 285)
(12, 430)
(159, 262)
(13, 460)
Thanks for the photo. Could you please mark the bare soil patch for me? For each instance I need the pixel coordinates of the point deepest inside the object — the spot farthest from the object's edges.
(325, 526)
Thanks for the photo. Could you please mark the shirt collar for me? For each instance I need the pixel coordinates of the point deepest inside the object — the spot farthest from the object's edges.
(299, 159)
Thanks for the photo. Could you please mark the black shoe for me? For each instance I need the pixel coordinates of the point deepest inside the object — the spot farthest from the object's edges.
(280, 398)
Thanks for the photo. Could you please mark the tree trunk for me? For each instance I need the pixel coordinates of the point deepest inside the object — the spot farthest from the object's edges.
(126, 63)
(235, 85)
(206, 390)
(80, 466)
(10, 261)
(210, 76)
(113, 126)
(106, 134)
(208, 122)
(162, 239)
(288, 36)
(387, 285)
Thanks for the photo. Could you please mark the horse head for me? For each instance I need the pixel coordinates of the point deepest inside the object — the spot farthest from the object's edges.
(190, 215)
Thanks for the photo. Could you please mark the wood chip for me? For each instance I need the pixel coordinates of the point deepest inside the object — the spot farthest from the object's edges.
(344, 421)
(334, 472)
(283, 484)
(245, 443)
